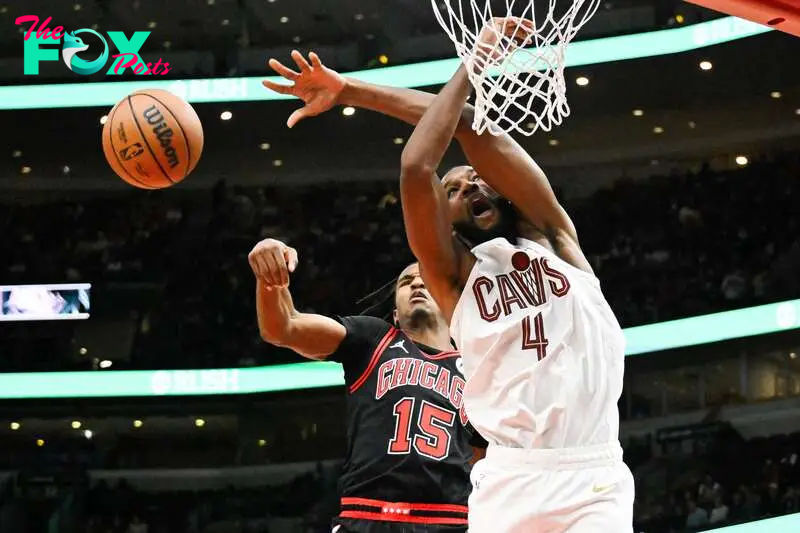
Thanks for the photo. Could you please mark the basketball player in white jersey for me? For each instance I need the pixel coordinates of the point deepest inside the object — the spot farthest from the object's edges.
(542, 349)
(543, 352)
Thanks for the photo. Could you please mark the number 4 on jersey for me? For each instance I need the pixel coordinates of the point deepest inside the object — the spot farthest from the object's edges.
(533, 336)
(433, 437)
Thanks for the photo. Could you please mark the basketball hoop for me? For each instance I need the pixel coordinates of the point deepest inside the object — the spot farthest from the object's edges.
(516, 89)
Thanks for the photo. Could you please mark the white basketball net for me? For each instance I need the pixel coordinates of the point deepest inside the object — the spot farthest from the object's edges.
(516, 89)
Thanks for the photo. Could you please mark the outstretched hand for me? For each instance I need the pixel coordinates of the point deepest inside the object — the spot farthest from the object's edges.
(316, 85)
(502, 36)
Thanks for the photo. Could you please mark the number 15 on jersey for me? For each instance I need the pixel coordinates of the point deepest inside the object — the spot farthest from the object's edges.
(425, 429)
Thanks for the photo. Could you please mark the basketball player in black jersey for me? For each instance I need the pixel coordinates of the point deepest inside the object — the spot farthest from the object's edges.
(409, 441)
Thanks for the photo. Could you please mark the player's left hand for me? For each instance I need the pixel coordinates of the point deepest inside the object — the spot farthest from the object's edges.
(272, 261)
(518, 31)
(316, 85)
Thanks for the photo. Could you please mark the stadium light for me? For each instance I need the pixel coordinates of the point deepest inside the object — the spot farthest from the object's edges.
(582, 81)
(658, 129)
(137, 424)
(88, 434)
(40, 442)
(348, 111)
(76, 424)
(105, 363)
(775, 94)
(226, 115)
(14, 426)
(742, 160)
(706, 65)
(199, 422)
(553, 142)
(638, 112)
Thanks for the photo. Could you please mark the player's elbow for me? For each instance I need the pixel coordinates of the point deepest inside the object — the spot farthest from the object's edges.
(276, 333)
(414, 168)
(272, 337)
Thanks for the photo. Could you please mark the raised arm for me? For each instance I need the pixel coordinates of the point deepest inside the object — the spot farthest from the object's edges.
(321, 88)
(499, 160)
(312, 336)
(445, 263)
(503, 164)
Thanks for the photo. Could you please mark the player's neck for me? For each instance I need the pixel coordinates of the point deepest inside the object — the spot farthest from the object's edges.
(436, 337)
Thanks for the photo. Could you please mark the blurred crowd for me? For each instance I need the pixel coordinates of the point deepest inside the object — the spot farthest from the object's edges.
(736, 482)
(302, 505)
(728, 482)
(663, 248)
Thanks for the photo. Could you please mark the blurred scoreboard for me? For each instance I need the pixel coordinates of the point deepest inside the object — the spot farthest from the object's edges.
(22, 303)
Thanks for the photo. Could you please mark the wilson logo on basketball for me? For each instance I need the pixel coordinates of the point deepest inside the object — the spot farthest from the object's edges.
(152, 139)
(163, 132)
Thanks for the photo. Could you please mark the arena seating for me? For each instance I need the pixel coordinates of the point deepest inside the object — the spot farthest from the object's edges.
(700, 493)
(663, 249)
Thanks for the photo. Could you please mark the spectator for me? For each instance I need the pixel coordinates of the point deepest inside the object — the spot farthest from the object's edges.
(696, 517)
(137, 526)
(736, 513)
(719, 514)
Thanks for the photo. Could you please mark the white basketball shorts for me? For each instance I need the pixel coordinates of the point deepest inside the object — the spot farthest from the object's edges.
(572, 490)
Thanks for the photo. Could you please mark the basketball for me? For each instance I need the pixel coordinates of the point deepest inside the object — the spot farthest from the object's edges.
(152, 139)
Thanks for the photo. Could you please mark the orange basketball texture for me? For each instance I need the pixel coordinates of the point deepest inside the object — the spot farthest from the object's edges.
(152, 139)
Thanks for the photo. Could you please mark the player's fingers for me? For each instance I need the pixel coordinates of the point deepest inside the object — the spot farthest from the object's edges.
(283, 70)
(264, 270)
(297, 116)
(280, 270)
(277, 87)
(301, 62)
(315, 61)
(291, 258)
(253, 264)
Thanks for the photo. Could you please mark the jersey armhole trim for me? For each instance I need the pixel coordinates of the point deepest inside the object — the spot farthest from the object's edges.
(376, 355)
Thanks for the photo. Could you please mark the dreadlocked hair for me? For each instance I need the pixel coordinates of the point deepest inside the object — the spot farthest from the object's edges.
(381, 301)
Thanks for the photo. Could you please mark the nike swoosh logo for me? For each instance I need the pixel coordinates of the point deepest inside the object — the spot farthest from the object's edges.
(603, 488)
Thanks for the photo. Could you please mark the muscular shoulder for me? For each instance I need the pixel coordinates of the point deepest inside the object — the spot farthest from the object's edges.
(363, 335)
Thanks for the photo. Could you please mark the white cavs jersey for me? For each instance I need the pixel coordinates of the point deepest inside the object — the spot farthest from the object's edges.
(543, 352)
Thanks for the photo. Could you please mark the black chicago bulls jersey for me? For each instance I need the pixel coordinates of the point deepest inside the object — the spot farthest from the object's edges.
(409, 441)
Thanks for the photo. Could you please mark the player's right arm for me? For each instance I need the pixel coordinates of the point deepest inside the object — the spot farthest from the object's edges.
(445, 263)
(279, 322)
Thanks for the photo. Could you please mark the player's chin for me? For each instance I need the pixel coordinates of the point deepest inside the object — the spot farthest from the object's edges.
(420, 309)
(418, 303)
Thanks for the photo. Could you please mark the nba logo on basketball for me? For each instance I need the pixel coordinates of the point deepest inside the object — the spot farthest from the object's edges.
(35, 49)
